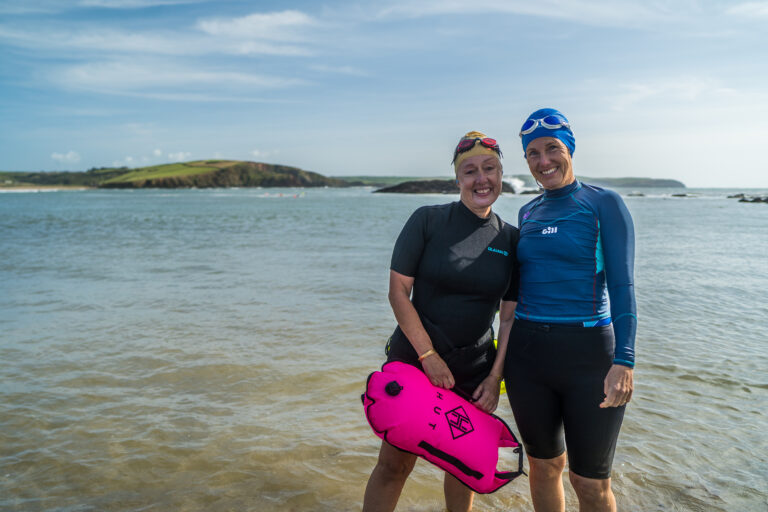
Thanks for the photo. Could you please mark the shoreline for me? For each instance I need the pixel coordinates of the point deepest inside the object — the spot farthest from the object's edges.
(31, 187)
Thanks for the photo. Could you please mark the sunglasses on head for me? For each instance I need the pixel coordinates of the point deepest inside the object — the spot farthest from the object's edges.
(550, 122)
(467, 144)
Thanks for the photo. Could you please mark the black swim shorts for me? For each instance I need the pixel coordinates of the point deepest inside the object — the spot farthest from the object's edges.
(469, 364)
(554, 376)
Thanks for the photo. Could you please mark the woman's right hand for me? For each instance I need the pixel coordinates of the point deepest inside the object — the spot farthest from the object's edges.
(438, 372)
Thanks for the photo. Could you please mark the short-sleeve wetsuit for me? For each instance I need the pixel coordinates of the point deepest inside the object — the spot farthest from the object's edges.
(462, 266)
(575, 317)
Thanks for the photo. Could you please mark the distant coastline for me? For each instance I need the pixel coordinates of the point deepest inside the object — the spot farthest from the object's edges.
(236, 173)
(430, 187)
(525, 184)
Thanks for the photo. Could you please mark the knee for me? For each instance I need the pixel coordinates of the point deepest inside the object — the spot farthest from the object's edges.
(394, 469)
(547, 468)
(591, 490)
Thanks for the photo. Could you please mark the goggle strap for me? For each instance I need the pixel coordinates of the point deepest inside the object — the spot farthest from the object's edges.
(559, 122)
(467, 144)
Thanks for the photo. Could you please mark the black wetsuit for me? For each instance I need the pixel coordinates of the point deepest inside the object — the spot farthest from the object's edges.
(462, 265)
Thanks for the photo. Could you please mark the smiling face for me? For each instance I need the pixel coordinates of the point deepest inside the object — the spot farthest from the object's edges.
(479, 179)
(550, 162)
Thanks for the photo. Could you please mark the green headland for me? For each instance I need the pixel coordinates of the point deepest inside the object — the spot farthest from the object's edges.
(196, 174)
(237, 173)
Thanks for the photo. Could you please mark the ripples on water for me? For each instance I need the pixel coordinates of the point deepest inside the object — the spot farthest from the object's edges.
(206, 350)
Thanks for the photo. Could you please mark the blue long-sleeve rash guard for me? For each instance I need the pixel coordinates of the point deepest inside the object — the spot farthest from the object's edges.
(576, 243)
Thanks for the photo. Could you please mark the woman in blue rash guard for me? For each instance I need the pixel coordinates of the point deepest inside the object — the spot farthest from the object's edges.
(458, 260)
(570, 351)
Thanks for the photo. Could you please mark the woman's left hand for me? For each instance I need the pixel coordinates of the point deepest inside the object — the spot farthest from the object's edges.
(618, 386)
(486, 396)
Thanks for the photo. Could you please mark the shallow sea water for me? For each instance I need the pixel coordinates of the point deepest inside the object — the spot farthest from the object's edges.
(206, 349)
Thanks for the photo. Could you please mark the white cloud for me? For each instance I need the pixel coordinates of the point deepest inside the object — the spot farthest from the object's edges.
(159, 79)
(590, 12)
(749, 9)
(134, 4)
(27, 7)
(258, 153)
(343, 70)
(108, 41)
(275, 26)
(128, 161)
(53, 6)
(256, 47)
(693, 128)
(179, 156)
(685, 89)
(261, 33)
(261, 154)
(69, 157)
(141, 129)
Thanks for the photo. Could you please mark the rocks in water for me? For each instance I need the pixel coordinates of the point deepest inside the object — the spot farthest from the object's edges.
(744, 198)
(754, 199)
(680, 195)
(432, 187)
(635, 194)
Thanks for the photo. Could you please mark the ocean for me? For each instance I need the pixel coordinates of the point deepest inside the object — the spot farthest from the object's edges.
(205, 350)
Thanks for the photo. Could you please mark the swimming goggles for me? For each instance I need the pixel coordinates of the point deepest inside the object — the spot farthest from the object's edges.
(467, 144)
(550, 122)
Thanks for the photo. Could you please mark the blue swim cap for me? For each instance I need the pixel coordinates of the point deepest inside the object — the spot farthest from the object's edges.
(560, 128)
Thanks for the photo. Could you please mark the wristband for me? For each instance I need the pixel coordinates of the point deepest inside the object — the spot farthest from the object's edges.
(427, 354)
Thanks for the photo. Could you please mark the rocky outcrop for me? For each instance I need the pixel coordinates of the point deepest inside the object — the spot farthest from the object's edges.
(754, 199)
(431, 187)
(744, 198)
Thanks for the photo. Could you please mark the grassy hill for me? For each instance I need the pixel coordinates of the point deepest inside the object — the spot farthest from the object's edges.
(181, 169)
(197, 174)
(220, 173)
(91, 178)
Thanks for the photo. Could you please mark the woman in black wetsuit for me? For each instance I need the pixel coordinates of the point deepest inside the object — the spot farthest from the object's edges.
(451, 266)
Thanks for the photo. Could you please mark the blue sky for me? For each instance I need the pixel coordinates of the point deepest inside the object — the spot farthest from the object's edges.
(665, 89)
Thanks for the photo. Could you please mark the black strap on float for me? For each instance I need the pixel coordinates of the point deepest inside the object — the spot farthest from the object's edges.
(511, 475)
(450, 459)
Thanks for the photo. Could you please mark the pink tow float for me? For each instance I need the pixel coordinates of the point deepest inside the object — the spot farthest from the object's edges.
(407, 411)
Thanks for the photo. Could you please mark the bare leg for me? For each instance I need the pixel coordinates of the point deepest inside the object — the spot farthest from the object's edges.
(546, 480)
(458, 497)
(387, 479)
(595, 495)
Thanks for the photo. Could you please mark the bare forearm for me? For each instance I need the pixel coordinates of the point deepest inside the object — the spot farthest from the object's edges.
(409, 321)
(506, 318)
